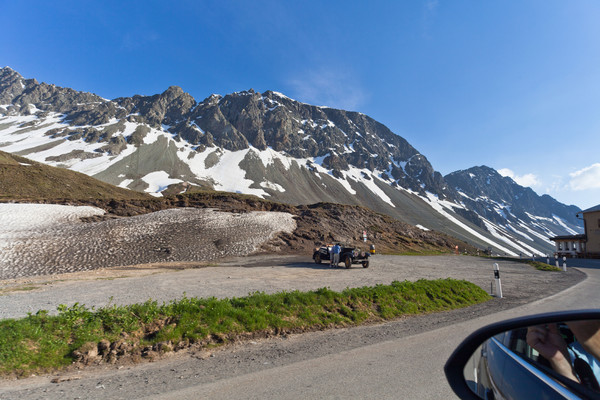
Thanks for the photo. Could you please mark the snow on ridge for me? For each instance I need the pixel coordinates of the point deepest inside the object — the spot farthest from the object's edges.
(153, 135)
(36, 136)
(96, 165)
(196, 127)
(422, 227)
(125, 183)
(309, 121)
(226, 174)
(444, 203)
(544, 228)
(518, 232)
(278, 94)
(269, 155)
(319, 160)
(158, 181)
(463, 194)
(531, 249)
(562, 223)
(327, 123)
(272, 186)
(495, 230)
(433, 201)
(359, 176)
(500, 212)
(23, 216)
(538, 218)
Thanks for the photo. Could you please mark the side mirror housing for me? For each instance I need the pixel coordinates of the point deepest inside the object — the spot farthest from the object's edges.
(509, 342)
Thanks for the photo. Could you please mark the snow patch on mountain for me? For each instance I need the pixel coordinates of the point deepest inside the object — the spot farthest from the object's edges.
(499, 233)
(269, 156)
(25, 217)
(125, 183)
(512, 228)
(440, 206)
(226, 173)
(561, 223)
(537, 234)
(359, 175)
(158, 181)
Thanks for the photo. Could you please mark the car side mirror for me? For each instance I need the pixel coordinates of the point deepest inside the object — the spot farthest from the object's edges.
(555, 355)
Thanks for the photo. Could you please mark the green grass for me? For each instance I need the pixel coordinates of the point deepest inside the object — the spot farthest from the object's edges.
(42, 343)
(543, 266)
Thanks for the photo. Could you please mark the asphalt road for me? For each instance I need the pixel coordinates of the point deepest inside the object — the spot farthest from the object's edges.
(408, 368)
(401, 359)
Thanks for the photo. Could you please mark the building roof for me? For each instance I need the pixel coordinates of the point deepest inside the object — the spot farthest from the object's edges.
(596, 208)
(568, 237)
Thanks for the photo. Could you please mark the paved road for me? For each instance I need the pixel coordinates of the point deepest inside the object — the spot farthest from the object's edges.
(409, 368)
(359, 362)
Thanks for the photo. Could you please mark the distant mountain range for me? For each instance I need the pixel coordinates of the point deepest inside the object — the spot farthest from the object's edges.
(274, 147)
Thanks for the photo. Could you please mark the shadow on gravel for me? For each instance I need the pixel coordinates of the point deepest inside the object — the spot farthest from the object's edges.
(312, 265)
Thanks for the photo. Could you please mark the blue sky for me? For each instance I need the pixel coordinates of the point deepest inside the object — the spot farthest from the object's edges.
(512, 85)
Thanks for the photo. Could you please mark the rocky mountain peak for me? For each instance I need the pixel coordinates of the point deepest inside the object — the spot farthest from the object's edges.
(8, 73)
(11, 85)
(22, 94)
(499, 198)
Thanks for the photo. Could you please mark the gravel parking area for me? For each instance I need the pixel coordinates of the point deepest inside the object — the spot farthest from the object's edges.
(49, 257)
(239, 276)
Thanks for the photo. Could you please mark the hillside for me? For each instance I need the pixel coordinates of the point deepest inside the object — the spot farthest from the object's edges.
(22, 179)
(317, 224)
(262, 144)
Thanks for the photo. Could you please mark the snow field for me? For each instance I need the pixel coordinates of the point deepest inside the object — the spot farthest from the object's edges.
(40, 239)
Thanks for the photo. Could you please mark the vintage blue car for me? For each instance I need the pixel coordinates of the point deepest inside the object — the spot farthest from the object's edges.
(348, 255)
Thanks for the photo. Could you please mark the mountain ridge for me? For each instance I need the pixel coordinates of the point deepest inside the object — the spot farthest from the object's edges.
(264, 144)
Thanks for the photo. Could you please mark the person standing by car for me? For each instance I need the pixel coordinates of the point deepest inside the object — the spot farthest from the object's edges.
(330, 249)
(335, 255)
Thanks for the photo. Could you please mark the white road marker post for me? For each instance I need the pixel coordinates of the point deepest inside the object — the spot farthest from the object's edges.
(548, 259)
(497, 280)
(565, 264)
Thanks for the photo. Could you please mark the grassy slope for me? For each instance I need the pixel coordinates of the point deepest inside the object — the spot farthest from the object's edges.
(25, 180)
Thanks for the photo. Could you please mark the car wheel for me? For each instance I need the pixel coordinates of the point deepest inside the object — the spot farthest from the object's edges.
(318, 259)
(365, 264)
(347, 262)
